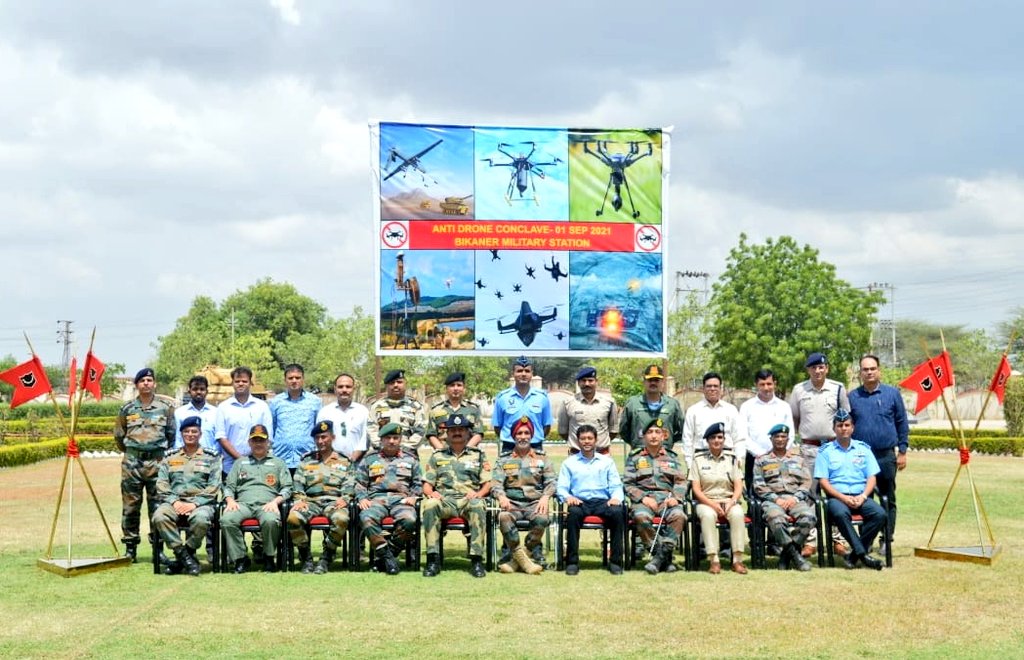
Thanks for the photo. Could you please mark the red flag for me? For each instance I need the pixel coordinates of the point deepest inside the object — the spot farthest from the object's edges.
(29, 381)
(92, 373)
(943, 370)
(929, 379)
(72, 379)
(998, 385)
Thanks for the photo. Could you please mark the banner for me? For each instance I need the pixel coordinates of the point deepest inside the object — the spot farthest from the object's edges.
(503, 241)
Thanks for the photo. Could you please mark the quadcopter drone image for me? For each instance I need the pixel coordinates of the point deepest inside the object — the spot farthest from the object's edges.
(528, 323)
(617, 164)
(523, 171)
(555, 269)
(405, 164)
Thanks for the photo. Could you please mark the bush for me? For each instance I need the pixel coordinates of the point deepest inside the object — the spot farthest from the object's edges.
(1014, 446)
(968, 433)
(46, 410)
(34, 452)
(52, 427)
(1013, 406)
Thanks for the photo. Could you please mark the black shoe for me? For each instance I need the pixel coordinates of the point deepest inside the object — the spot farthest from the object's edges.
(433, 566)
(799, 563)
(324, 565)
(871, 562)
(173, 568)
(386, 562)
(784, 557)
(241, 565)
(537, 555)
(614, 569)
(476, 567)
(132, 550)
(184, 559)
(572, 569)
(306, 557)
(850, 561)
(506, 555)
(269, 564)
(667, 551)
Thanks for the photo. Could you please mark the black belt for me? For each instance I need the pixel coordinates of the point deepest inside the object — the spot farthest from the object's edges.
(811, 442)
(150, 455)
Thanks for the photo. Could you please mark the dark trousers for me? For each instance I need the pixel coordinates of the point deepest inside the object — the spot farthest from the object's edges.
(874, 519)
(885, 482)
(613, 517)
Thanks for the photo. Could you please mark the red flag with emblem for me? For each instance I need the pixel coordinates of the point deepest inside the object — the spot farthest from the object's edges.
(92, 373)
(929, 379)
(29, 381)
(72, 379)
(998, 384)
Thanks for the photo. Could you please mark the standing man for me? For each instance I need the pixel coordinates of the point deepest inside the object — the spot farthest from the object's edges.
(455, 483)
(713, 410)
(642, 408)
(656, 484)
(400, 409)
(783, 484)
(144, 430)
(881, 420)
(256, 487)
(188, 485)
(349, 419)
(323, 486)
(523, 483)
(588, 407)
(454, 390)
(846, 471)
(814, 403)
(389, 480)
(237, 415)
(521, 400)
(761, 414)
(589, 484)
(293, 417)
(197, 406)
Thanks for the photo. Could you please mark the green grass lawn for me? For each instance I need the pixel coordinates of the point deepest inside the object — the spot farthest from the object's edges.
(921, 608)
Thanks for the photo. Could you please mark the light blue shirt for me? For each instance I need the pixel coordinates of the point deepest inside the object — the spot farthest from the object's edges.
(846, 469)
(234, 420)
(593, 479)
(293, 421)
(208, 438)
(510, 406)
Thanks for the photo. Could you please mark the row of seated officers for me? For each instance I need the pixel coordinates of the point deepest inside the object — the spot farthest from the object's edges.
(389, 482)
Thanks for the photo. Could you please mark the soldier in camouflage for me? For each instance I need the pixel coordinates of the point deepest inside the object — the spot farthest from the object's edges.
(783, 484)
(396, 407)
(523, 482)
(256, 487)
(144, 431)
(455, 389)
(188, 485)
(388, 482)
(322, 486)
(655, 483)
(455, 484)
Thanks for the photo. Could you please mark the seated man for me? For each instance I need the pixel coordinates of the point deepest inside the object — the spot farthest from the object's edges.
(589, 484)
(256, 487)
(188, 484)
(454, 485)
(846, 470)
(783, 484)
(523, 483)
(323, 487)
(655, 482)
(388, 481)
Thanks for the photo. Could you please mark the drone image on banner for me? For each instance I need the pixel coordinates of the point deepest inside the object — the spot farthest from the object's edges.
(522, 174)
(615, 176)
(424, 173)
(530, 313)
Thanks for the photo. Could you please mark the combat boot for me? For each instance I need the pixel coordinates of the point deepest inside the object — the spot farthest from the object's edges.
(525, 562)
(131, 549)
(537, 555)
(653, 567)
(666, 557)
(784, 557)
(433, 566)
(174, 567)
(386, 561)
(324, 565)
(241, 565)
(184, 558)
(476, 565)
(269, 564)
(306, 557)
(797, 560)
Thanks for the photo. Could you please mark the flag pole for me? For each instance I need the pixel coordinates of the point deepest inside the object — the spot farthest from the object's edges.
(988, 396)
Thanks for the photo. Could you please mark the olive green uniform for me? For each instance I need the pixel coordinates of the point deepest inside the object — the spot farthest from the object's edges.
(776, 477)
(660, 476)
(385, 481)
(321, 484)
(408, 413)
(194, 479)
(143, 432)
(252, 483)
(453, 477)
(439, 413)
(524, 480)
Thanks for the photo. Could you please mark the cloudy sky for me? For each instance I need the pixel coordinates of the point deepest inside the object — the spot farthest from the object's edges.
(152, 152)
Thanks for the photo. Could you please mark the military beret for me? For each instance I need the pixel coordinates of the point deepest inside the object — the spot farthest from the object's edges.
(653, 371)
(393, 375)
(456, 420)
(714, 429)
(142, 373)
(778, 428)
(523, 361)
(455, 377)
(841, 416)
(259, 432)
(815, 359)
(390, 429)
(656, 422)
(586, 372)
(188, 422)
(323, 426)
(521, 422)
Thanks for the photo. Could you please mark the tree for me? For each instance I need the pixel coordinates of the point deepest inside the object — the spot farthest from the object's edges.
(688, 356)
(341, 345)
(1013, 326)
(775, 303)
(973, 351)
(276, 307)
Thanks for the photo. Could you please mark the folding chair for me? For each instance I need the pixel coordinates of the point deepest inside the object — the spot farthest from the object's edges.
(722, 524)
(214, 533)
(252, 526)
(589, 523)
(412, 547)
(323, 524)
(858, 520)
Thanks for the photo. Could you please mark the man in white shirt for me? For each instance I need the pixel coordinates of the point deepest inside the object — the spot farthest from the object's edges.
(235, 416)
(197, 406)
(762, 413)
(712, 410)
(351, 438)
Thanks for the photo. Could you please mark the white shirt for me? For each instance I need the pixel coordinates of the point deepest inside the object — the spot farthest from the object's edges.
(234, 420)
(760, 416)
(350, 428)
(701, 415)
(208, 438)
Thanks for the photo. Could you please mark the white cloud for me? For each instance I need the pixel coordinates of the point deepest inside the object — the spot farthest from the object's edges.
(288, 11)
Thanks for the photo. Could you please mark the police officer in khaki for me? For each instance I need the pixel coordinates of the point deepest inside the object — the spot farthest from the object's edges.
(144, 431)
(454, 403)
(188, 485)
(323, 484)
(396, 407)
(256, 487)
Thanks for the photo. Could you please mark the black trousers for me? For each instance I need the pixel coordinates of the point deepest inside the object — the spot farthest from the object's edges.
(885, 482)
(613, 516)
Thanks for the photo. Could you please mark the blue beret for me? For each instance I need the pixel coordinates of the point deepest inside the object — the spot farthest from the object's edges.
(778, 428)
(142, 373)
(815, 359)
(455, 377)
(523, 361)
(841, 416)
(714, 429)
(323, 426)
(586, 372)
(457, 420)
(393, 375)
(191, 421)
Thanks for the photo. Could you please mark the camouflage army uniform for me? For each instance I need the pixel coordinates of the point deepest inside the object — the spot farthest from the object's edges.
(321, 484)
(143, 433)
(454, 477)
(386, 481)
(775, 477)
(661, 477)
(191, 479)
(408, 413)
(252, 483)
(524, 480)
(439, 413)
